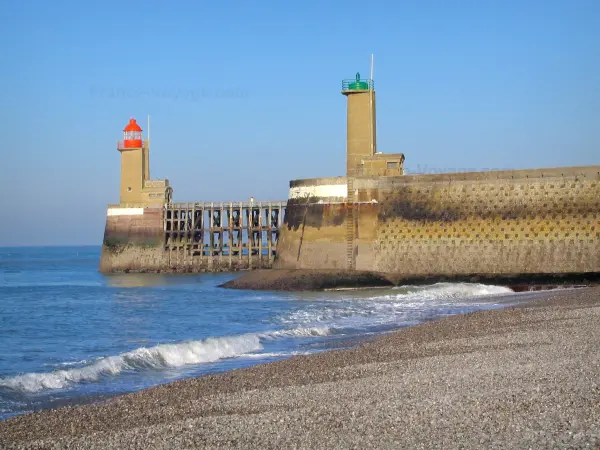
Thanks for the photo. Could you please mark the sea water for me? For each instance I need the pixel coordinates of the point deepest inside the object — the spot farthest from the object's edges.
(70, 335)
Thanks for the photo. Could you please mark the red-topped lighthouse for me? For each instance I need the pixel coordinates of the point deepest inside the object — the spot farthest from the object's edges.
(132, 135)
(136, 186)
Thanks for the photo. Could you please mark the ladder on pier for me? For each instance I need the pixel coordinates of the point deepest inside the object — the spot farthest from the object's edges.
(350, 227)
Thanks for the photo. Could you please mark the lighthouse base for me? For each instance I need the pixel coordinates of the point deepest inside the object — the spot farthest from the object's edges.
(133, 240)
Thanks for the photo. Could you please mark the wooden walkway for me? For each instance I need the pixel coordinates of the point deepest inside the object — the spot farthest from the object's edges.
(223, 236)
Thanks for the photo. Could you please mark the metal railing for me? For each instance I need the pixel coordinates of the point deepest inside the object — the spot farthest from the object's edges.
(358, 85)
(244, 204)
(121, 145)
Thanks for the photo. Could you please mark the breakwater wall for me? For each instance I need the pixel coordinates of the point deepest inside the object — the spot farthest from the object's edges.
(497, 223)
(191, 237)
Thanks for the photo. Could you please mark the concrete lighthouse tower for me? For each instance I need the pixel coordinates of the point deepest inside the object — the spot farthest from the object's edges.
(360, 133)
(133, 163)
(362, 158)
(137, 189)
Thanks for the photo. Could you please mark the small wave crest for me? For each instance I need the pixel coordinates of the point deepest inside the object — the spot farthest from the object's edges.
(447, 291)
(400, 305)
(159, 357)
(297, 332)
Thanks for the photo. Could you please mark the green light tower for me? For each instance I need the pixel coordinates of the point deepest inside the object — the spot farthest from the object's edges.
(361, 129)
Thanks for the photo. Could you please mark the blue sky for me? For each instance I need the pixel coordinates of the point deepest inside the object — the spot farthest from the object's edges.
(244, 96)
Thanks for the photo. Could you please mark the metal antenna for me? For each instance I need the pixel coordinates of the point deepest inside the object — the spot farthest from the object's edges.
(371, 87)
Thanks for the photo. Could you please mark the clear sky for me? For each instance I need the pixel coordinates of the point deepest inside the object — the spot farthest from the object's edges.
(245, 96)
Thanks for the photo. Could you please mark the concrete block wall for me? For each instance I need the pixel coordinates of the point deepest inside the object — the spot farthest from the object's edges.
(542, 221)
(522, 222)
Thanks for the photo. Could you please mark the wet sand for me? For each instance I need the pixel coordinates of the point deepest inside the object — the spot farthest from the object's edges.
(524, 377)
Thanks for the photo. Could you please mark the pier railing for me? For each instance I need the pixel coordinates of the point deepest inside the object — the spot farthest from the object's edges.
(223, 235)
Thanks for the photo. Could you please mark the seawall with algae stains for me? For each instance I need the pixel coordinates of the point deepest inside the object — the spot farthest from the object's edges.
(521, 223)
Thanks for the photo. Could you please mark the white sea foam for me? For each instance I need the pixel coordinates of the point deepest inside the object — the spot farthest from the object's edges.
(451, 290)
(297, 332)
(159, 357)
(401, 306)
(273, 355)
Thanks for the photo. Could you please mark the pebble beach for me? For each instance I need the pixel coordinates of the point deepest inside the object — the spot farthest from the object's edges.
(520, 377)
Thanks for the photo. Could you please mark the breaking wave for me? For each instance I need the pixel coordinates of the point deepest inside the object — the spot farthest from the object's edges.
(450, 290)
(162, 356)
(401, 306)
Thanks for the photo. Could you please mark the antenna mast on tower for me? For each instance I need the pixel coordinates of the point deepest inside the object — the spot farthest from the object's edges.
(371, 131)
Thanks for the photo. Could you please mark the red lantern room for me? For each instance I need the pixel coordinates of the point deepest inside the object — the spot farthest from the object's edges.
(132, 135)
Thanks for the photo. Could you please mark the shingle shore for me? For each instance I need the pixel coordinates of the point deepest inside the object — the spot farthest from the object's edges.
(525, 377)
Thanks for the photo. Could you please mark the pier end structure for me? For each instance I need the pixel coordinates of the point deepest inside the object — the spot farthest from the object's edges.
(133, 235)
(520, 224)
(147, 232)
